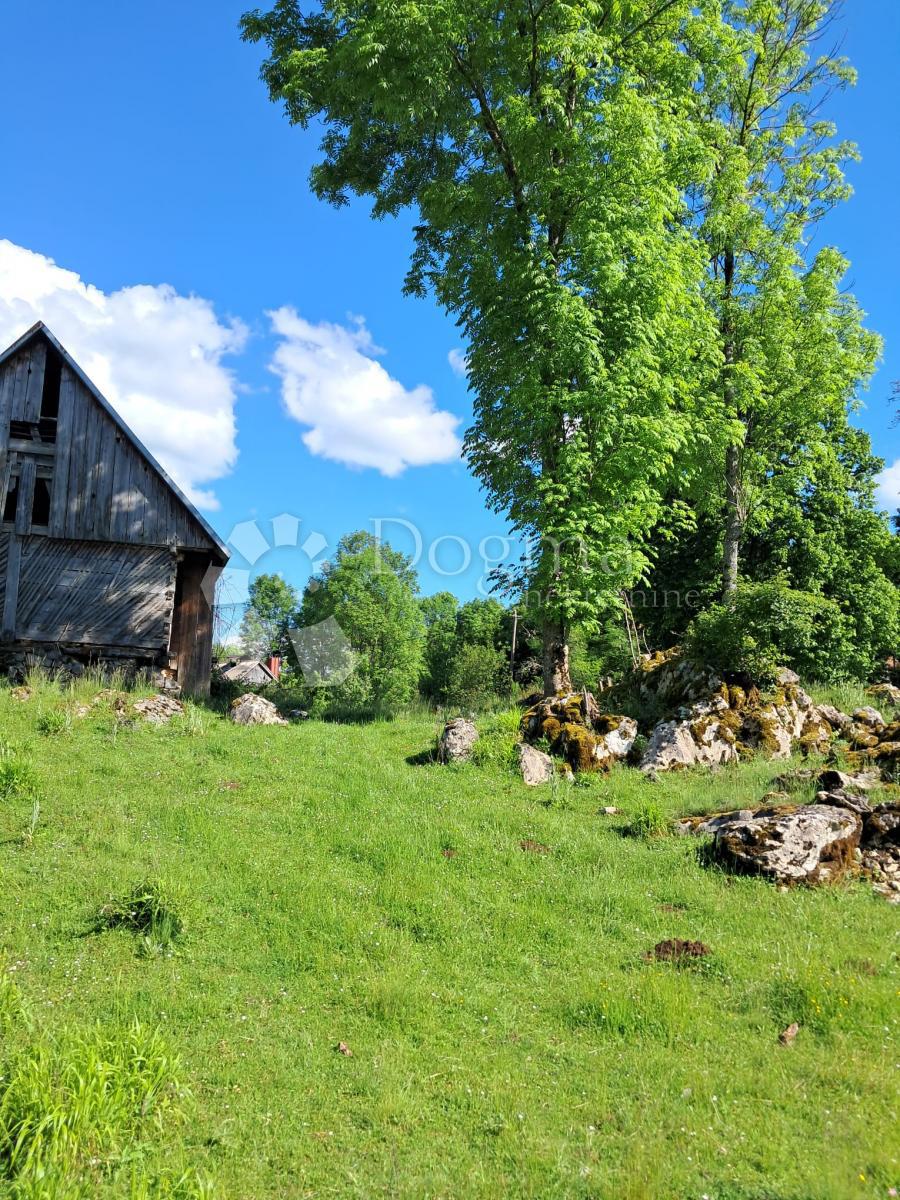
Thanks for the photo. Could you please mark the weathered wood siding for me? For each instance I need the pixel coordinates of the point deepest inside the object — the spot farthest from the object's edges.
(96, 594)
(102, 488)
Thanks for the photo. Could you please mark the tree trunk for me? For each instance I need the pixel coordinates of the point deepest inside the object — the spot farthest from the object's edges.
(556, 659)
(734, 499)
(734, 519)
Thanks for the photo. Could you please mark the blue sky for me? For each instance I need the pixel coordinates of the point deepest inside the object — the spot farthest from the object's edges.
(141, 149)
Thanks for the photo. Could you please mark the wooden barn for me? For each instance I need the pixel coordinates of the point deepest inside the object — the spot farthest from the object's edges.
(102, 558)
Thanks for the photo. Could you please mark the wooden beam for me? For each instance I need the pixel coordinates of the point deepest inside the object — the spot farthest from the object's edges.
(11, 595)
(192, 626)
(34, 386)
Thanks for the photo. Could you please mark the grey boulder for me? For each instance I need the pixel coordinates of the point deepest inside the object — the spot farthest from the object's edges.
(457, 740)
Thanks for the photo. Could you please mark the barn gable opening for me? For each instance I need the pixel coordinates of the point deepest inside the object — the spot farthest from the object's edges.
(40, 505)
(52, 381)
(11, 502)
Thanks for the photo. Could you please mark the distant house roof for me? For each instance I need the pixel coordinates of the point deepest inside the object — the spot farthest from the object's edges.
(39, 328)
(248, 670)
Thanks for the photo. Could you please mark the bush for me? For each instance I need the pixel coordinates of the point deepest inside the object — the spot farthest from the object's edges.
(765, 626)
(476, 678)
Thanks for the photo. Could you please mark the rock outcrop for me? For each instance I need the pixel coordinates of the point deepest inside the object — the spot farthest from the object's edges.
(886, 693)
(251, 709)
(809, 844)
(159, 710)
(876, 745)
(813, 843)
(714, 722)
(536, 766)
(456, 741)
(576, 730)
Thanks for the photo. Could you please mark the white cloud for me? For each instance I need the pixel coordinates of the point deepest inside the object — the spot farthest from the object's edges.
(457, 360)
(889, 487)
(356, 412)
(156, 356)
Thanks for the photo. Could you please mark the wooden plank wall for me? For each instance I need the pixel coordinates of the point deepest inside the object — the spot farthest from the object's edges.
(96, 594)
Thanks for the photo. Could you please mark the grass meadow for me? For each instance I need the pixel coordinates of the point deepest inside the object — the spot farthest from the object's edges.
(304, 962)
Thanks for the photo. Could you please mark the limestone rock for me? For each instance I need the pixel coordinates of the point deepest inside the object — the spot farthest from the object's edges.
(712, 825)
(159, 710)
(887, 693)
(839, 781)
(578, 732)
(251, 709)
(841, 799)
(835, 718)
(869, 716)
(457, 740)
(882, 828)
(877, 748)
(812, 843)
(680, 744)
(616, 735)
(536, 766)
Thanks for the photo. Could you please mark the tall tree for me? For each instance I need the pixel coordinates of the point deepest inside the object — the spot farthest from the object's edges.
(792, 349)
(370, 591)
(439, 613)
(546, 148)
(270, 610)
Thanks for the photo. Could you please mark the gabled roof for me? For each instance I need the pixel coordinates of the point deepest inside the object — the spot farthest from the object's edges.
(39, 328)
(238, 671)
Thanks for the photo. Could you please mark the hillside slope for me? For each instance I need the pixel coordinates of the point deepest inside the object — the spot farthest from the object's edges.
(476, 946)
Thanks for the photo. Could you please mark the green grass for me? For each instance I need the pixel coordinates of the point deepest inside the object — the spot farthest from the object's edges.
(507, 1037)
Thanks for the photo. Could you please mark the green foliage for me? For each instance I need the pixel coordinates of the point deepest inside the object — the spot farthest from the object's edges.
(768, 625)
(439, 612)
(476, 677)
(481, 623)
(150, 909)
(73, 1104)
(793, 352)
(270, 611)
(370, 590)
(547, 151)
(600, 652)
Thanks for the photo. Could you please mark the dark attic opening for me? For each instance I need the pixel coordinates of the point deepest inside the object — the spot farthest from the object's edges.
(40, 505)
(50, 396)
(11, 503)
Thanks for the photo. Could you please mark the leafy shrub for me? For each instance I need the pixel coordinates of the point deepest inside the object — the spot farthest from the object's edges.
(150, 910)
(765, 626)
(476, 677)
